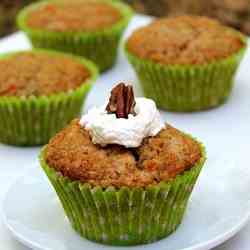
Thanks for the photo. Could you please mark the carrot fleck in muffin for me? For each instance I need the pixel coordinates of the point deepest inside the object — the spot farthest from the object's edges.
(186, 63)
(36, 85)
(90, 28)
(122, 167)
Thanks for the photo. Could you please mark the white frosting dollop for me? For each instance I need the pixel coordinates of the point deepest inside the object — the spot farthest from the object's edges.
(106, 129)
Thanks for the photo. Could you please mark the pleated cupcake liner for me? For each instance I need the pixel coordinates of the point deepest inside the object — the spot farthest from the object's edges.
(124, 216)
(101, 47)
(33, 120)
(187, 88)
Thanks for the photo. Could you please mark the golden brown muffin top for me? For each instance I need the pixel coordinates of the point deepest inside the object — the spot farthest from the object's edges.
(76, 15)
(184, 40)
(159, 158)
(31, 73)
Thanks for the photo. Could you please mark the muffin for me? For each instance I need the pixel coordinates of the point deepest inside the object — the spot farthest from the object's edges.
(89, 28)
(40, 92)
(186, 63)
(122, 175)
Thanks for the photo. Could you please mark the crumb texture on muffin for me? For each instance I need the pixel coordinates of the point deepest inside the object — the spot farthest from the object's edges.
(76, 15)
(184, 40)
(31, 73)
(160, 158)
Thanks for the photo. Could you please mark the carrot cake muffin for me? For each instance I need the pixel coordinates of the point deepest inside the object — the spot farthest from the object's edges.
(35, 88)
(190, 61)
(90, 28)
(122, 167)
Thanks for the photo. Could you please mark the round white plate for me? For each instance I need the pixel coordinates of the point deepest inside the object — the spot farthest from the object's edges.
(219, 208)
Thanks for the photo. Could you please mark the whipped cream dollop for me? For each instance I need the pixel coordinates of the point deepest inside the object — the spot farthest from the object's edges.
(106, 128)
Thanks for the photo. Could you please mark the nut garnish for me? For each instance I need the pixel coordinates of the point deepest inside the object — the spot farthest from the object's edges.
(121, 101)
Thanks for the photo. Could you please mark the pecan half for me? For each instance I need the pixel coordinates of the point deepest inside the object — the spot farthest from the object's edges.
(121, 101)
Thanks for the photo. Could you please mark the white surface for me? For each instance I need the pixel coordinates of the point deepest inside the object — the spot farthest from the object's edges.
(219, 207)
(224, 130)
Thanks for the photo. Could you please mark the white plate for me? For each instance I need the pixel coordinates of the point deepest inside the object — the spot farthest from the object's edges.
(219, 206)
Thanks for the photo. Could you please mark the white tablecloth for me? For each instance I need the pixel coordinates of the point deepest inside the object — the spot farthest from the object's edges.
(14, 167)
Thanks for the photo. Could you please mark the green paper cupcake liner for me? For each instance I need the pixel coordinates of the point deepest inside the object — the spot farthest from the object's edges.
(29, 121)
(124, 216)
(101, 47)
(187, 88)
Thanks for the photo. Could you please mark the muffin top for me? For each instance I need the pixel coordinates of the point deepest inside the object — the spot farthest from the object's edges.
(184, 40)
(160, 158)
(123, 143)
(76, 15)
(37, 73)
